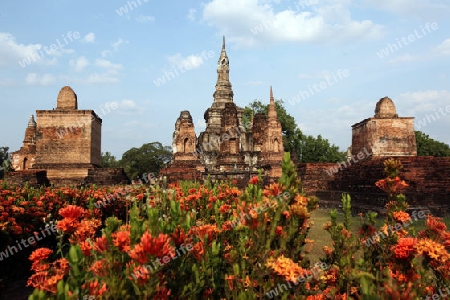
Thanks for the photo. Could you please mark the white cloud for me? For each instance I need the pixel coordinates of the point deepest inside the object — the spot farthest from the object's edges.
(420, 102)
(316, 75)
(200, 124)
(35, 79)
(129, 107)
(101, 78)
(11, 52)
(7, 82)
(191, 15)
(405, 58)
(444, 48)
(145, 19)
(411, 7)
(103, 63)
(117, 44)
(254, 83)
(79, 64)
(89, 38)
(107, 53)
(254, 22)
(190, 62)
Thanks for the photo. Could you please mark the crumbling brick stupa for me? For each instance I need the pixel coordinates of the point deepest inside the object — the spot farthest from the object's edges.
(383, 136)
(227, 148)
(65, 142)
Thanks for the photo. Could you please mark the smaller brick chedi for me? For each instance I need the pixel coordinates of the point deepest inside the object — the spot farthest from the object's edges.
(227, 148)
(65, 142)
(385, 134)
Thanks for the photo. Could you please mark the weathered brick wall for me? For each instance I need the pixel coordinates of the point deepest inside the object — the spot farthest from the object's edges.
(106, 176)
(34, 178)
(182, 170)
(96, 140)
(67, 136)
(314, 176)
(229, 142)
(428, 177)
(184, 138)
(385, 137)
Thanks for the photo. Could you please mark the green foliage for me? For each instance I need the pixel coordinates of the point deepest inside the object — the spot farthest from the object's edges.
(305, 148)
(426, 146)
(109, 160)
(149, 158)
(5, 163)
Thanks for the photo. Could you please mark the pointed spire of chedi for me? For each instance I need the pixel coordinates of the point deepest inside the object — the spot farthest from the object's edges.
(32, 122)
(30, 132)
(272, 111)
(223, 92)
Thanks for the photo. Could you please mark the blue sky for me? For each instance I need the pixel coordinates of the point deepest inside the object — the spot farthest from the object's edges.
(115, 51)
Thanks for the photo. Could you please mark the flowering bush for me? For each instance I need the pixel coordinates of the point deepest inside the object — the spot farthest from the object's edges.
(400, 265)
(214, 241)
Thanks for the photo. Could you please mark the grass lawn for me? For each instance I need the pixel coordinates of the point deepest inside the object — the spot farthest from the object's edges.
(322, 237)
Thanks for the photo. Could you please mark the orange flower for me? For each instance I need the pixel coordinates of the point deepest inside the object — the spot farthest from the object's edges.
(328, 251)
(61, 266)
(433, 250)
(85, 229)
(99, 268)
(138, 254)
(94, 288)
(67, 225)
(228, 225)
(273, 189)
(301, 200)
(86, 247)
(72, 212)
(405, 248)
(285, 267)
(205, 230)
(51, 283)
(230, 279)
(121, 239)
(224, 208)
(37, 280)
(198, 251)
(178, 236)
(254, 180)
(40, 254)
(434, 224)
(156, 246)
(279, 230)
(401, 216)
(140, 273)
(101, 244)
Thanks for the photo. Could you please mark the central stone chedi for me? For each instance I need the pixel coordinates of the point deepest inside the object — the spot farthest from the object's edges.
(229, 147)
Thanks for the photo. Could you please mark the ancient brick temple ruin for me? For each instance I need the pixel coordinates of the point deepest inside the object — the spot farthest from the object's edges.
(373, 141)
(227, 148)
(385, 134)
(65, 143)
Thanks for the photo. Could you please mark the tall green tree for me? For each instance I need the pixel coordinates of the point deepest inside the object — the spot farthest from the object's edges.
(426, 146)
(5, 163)
(149, 158)
(109, 160)
(305, 148)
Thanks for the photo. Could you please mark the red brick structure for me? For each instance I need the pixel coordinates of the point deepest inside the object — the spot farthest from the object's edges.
(68, 140)
(385, 134)
(66, 143)
(227, 148)
(25, 158)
